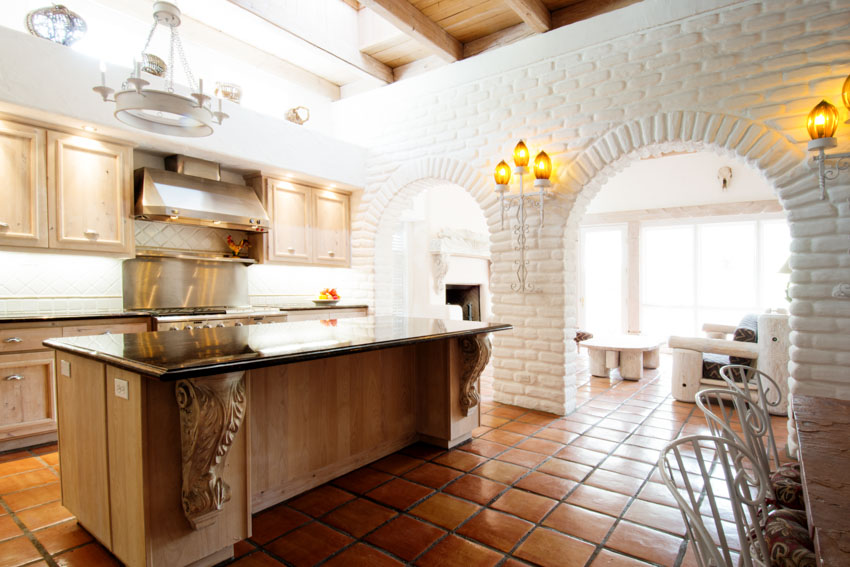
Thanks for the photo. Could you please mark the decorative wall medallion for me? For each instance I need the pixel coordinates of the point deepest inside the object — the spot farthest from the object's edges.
(441, 268)
(211, 411)
(475, 353)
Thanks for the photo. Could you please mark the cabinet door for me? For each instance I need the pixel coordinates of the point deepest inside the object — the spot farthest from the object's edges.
(289, 240)
(88, 328)
(26, 395)
(90, 192)
(330, 228)
(23, 191)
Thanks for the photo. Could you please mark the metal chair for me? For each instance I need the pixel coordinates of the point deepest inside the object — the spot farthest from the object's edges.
(745, 484)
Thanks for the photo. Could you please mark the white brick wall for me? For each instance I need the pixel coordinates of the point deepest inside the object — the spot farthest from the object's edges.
(739, 77)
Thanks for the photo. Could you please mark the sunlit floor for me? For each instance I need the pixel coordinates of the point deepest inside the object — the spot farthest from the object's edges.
(531, 488)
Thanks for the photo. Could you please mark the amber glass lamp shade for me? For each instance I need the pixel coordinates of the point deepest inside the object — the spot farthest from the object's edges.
(502, 176)
(822, 121)
(845, 94)
(542, 166)
(521, 154)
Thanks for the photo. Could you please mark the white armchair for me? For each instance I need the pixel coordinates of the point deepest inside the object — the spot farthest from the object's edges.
(693, 356)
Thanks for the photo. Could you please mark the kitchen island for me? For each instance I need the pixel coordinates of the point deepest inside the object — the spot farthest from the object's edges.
(169, 441)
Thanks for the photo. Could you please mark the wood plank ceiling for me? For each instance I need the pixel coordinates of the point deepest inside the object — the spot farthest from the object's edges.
(428, 33)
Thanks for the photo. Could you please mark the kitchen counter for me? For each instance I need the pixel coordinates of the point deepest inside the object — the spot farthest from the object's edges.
(198, 429)
(169, 356)
(69, 316)
(303, 306)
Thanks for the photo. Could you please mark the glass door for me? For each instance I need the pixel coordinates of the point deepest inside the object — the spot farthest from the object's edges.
(602, 297)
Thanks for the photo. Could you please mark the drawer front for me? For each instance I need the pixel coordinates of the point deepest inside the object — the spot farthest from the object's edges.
(26, 394)
(316, 314)
(114, 329)
(16, 340)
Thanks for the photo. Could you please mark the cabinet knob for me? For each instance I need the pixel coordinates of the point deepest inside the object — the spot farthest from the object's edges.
(4, 225)
(188, 327)
(93, 234)
(207, 326)
(173, 328)
(11, 340)
(238, 324)
(331, 253)
(106, 333)
(220, 325)
(14, 377)
(291, 250)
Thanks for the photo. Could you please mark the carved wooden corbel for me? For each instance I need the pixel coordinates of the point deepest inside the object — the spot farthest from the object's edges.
(475, 353)
(211, 411)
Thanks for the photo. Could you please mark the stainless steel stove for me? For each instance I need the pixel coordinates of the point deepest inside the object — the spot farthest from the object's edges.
(192, 294)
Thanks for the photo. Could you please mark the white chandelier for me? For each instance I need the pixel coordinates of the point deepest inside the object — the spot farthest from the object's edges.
(162, 111)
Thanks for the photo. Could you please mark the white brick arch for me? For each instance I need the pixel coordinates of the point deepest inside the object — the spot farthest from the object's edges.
(816, 359)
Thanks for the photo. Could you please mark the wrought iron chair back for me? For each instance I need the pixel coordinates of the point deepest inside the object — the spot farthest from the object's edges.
(768, 395)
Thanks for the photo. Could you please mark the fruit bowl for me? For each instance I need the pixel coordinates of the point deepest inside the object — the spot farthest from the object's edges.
(326, 301)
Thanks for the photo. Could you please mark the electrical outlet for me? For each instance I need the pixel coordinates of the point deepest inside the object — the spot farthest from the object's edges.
(65, 368)
(122, 389)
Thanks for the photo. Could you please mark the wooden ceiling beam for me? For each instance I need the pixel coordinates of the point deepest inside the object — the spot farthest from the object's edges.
(586, 9)
(406, 17)
(533, 12)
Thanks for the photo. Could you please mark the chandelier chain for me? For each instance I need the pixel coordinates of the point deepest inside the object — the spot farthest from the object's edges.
(169, 76)
(189, 76)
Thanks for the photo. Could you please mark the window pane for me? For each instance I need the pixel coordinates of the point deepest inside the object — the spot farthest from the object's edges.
(667, 274)
(603, 258)
(662, 322)
(727, 265)
(775, 249)
(720, 317)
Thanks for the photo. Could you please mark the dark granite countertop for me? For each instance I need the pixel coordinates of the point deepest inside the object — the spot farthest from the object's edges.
(304, 306)
(33, 318)
(174, 355)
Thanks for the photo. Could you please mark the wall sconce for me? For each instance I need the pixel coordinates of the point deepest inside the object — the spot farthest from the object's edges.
(542, 168)
(822, 124)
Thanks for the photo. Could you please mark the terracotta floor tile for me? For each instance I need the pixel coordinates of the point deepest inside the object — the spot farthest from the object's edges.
(581, 418)
(51, 459)
(493, 421)
(667, 434)
(595, 444)
(503, 437)
(542, 446)
(243, 547)
(565, 469)
(463, 553)
(481, 430)
(549, 548)
(320, 501)
(433, 475)
(475, 488)
(21, 481)
(360, 555)
(607, 558)
(308, 544)
(396, 464)
(521, 428)
(20, 465)
(405, 537)
(617, 482)
(258, 559)
(633, 452)
(60, 537)
(528, 506)
(510, 412)
(580, 522)
(44, 515)
(8, 528)
(658, 493)
(647, 442)
(484, 448)
(571, 426)
(607, 434)
(33, 496)
(18, 551)
(557, 435)
(14, 456)
(91, 555)
(607, 502)
(618, 425)
(422, 451)
(656, 516)
(398, 493)
(627, 467)
(275, 522)
(522, 458)
(444, 510)
(43, 449)
(580, 455)
(496, 529)
(460, 460)
(500, 471)
(359, 517)
(547, 485)
(644, 543)
(362, 480)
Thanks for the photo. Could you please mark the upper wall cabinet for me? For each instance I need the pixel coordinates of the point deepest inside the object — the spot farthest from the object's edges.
(309, 225)
(23, 192)
(90, 191)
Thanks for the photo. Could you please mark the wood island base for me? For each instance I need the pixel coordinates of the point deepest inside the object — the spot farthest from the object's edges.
(168, 473)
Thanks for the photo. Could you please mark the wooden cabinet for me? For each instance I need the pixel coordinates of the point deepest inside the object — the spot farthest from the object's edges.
(23, 192)
(308, 225)
(27, 374)
(90, 194)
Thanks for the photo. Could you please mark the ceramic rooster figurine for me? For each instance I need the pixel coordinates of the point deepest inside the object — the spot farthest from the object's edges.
(237, 248)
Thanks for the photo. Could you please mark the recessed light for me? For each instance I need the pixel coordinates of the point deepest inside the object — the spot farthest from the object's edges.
(89, 128)
(332, 186)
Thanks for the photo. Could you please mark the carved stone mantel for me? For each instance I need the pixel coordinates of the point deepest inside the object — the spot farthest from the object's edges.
(211, 412)
(475, 352)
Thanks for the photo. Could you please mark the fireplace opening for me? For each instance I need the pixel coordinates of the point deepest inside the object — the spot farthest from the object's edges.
(469, 299)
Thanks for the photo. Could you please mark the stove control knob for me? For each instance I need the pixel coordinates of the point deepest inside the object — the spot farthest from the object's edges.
(238, 324)
(207, 326)
(188, 328)
(173, 328)
(220, 325)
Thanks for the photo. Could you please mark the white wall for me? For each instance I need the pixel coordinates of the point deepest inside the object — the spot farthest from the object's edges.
(679, 181)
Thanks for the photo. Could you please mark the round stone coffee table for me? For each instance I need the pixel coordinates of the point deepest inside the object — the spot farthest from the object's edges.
(632, 353)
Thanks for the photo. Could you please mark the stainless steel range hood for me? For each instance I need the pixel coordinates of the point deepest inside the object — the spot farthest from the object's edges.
(171, 196)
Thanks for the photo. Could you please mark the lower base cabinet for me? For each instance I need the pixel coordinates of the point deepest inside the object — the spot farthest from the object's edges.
(27, 407)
